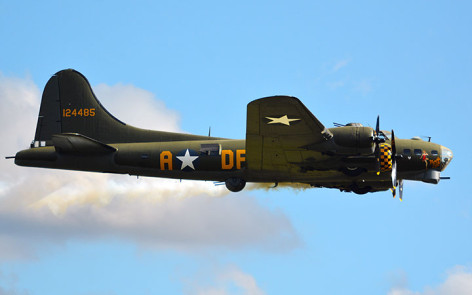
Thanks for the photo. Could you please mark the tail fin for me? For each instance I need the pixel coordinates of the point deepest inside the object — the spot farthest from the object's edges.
(69, 105)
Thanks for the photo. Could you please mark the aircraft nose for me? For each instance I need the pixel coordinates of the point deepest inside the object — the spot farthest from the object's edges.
(446, 157)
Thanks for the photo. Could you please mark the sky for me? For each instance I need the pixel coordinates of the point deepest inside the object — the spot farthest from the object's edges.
(185, 66)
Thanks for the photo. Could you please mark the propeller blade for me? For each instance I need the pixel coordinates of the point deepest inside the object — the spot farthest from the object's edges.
(377, 158)
(377, 126)
(394, 165)
(400, 189)
(394, 174)
(377, 141)
(394, 149)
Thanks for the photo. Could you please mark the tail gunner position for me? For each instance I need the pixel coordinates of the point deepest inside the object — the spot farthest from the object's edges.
(284, 143)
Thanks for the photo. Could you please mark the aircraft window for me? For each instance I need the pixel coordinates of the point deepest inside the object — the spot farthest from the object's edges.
(211, 149)
(407, 152)
(38, 144)
(385, 134)
(418, 152)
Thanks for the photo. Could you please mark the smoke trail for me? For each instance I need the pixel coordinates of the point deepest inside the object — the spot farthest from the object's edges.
(279, 186)
(79, 189)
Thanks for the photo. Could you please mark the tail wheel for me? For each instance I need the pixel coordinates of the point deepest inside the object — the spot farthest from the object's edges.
(235, 184)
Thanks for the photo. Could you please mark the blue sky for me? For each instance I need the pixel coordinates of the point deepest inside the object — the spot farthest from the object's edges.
(189, 65)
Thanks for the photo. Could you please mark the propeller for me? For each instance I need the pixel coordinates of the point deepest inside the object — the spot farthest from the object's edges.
(377, 140)
(395, 182)
(400, 189)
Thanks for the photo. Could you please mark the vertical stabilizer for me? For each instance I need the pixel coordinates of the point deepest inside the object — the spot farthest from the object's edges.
(69, 105)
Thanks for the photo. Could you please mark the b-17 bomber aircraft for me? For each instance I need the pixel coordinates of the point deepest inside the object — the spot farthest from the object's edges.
(284, 142)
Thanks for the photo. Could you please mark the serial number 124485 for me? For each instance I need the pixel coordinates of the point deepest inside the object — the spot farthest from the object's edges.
(78, 112)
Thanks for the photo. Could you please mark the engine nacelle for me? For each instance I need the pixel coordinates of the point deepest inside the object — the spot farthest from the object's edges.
(354, 139)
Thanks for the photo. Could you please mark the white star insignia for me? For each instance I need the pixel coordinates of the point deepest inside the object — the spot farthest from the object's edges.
(187, 160)
(282, 120)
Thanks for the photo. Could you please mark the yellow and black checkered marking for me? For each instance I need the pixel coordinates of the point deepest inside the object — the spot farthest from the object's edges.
(385, 157)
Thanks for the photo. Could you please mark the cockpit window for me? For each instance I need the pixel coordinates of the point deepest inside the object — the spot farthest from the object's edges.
(385, 134)
(418, 152)
(434, 152)
(407, 152)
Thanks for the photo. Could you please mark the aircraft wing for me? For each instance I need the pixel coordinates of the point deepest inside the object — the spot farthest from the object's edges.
(278, 126)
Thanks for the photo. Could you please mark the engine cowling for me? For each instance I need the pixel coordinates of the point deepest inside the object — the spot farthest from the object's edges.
(354, 139)
(385, 157)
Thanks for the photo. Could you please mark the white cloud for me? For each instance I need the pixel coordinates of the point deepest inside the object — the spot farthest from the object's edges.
(363, 86)
(335, 85)
(137, 107)
(458, 282)
(339, 65)
(227, 281)
(43, 207)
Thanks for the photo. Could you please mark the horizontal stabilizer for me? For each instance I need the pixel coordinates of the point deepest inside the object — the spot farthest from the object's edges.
(77, 143)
